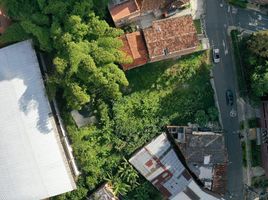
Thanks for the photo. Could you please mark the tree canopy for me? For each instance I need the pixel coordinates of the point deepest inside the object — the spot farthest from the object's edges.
(86, 49)
(254, 56)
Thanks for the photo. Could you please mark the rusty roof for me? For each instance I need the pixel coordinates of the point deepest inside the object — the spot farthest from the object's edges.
(219, 179)
(134, 46)
(123, 10)
(173, 35)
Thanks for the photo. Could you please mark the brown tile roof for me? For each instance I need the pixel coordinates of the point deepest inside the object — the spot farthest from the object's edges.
(172, 35)
(148, 5)
(219, 179)
(4, 21)
(135, 47)
(124, 10)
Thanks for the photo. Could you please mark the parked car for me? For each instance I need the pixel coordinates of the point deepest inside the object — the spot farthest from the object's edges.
(216, 55)
(229, 97)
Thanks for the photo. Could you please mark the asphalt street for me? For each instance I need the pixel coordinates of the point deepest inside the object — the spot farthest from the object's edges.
(218, 17)
(248, 19)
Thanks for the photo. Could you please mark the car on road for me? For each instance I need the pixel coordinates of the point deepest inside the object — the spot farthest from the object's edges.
(216, 55)
(229, 97)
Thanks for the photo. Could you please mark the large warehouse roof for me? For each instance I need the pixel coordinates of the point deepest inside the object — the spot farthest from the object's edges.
(32, 162)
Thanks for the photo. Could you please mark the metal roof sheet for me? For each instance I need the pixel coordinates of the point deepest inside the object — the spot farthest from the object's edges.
(32, 162)
(158, 163)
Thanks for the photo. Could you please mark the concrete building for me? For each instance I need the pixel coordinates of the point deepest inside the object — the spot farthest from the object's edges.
(33, 163)
(160, 163)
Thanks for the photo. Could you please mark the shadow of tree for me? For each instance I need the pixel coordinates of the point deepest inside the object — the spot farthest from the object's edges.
(26, 84)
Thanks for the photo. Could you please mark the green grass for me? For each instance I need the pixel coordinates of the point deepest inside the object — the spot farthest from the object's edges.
(161, 93)
(239, 3)
(255, 153)
(182, 86)
(239, 65)
(198, 26)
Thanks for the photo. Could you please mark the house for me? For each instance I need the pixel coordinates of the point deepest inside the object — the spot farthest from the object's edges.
(171, 37)
(135, 48)
(160, 163)
(105, 192)
(157, 37)
(34, 163)
(124, 12)
(205, 154)
(166, 38)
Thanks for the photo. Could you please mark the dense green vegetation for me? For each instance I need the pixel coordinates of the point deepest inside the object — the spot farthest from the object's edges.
(240, 3)
(252, 53)
(158, 94)
(255, 153)
(85, 48)
(198, 26)
(131, 109)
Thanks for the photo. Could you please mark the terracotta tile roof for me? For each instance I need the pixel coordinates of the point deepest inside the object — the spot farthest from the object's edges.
(171, 35)
(148, 5)
(123, 10)
(4, 21)
(135, 47)
(219, 179)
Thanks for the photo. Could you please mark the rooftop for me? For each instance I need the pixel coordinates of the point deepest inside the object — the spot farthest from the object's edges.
(170, 36)
(123, 10)
(219, 178)
(150, 5)
(105, 192)
(159, 163)
(205, 154)
(33, 164)
(199, 145)
(134, 46)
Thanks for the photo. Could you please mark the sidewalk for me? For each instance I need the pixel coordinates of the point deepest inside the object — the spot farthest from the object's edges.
(245, 112)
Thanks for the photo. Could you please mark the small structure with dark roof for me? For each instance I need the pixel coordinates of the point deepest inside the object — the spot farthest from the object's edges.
(206, 156)
(105, 192)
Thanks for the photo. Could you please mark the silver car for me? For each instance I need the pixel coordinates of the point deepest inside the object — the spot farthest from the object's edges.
(216, 55)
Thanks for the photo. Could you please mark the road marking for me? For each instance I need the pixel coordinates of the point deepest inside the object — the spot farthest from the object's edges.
(233, 113)
(228, 8)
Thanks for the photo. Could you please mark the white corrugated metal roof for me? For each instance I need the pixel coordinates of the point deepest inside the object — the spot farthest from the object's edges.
(32, 164)
(158, 163)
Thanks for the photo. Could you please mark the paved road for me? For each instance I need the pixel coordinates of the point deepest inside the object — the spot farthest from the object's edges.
(218, 19)
(248, 19)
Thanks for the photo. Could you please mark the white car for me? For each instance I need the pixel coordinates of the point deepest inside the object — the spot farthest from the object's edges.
(216, 55)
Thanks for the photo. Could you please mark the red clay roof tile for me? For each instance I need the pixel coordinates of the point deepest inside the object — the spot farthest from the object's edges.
(135, 47)
(171, 35)
(124, 10)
